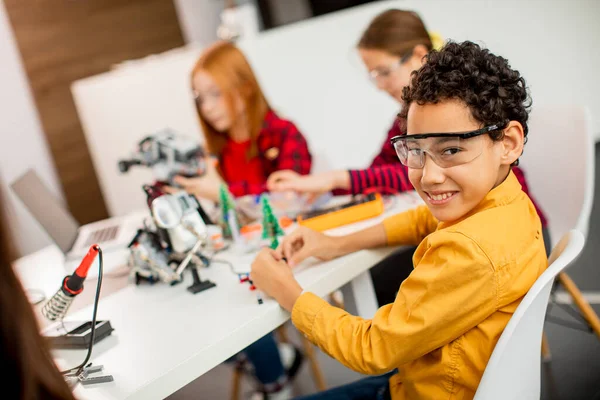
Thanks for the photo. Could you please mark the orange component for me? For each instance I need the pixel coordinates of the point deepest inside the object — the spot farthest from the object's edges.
(250, 228)
(84, 266)
(257, 227)
(285, 222)
(350, 213)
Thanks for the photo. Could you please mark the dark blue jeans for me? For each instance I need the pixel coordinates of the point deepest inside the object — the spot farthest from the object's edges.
(371, 388)
(264, 357)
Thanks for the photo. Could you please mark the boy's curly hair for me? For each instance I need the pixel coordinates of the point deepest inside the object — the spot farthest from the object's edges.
(494, 92)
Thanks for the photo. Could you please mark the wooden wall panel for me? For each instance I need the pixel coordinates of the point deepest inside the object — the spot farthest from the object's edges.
(64, 40)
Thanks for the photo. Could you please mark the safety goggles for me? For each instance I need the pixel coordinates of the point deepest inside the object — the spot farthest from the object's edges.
(445, 149)
(385, 72)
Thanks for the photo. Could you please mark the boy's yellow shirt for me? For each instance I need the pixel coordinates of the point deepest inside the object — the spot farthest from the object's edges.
(469, 277)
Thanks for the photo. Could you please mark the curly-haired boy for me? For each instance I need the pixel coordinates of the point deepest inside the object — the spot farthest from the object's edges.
(480, 243)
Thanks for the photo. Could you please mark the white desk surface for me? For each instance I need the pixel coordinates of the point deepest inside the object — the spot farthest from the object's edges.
(165, 337)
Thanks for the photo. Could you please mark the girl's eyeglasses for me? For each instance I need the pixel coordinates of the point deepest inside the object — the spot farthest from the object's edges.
(385, 72)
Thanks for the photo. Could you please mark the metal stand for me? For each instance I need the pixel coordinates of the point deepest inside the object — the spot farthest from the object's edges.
(85, 375)
(591, 322)
(76, 334)
(198, 285)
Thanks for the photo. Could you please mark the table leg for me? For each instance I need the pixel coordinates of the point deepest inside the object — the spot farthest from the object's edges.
(359, 296)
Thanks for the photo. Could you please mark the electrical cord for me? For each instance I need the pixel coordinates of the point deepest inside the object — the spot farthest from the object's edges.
(78, 369)
(35, 296)
(221, 261)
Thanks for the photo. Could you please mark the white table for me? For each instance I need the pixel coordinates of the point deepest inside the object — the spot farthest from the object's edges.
(165, 337)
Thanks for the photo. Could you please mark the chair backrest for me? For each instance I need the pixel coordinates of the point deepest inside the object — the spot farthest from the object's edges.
(558, 161)
(513, 371)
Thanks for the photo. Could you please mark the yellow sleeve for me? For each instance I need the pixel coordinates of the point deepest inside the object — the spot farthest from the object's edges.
(410, 227)
(450, 291)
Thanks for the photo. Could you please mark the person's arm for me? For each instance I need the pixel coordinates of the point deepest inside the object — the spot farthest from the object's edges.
(368, 238)
(451, 290)
(278, 281)
(409, 227)
(406, 228)
(393, 177)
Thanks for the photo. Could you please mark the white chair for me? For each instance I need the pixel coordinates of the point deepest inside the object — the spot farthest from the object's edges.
(559, 163)
(513, 371)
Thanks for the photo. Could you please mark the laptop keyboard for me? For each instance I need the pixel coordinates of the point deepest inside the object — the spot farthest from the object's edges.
(102, 235)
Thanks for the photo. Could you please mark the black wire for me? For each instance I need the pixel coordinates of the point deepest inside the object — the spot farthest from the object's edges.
(81, 366)
(33, 292)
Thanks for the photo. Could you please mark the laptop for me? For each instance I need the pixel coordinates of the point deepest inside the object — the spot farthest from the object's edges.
(73, 239)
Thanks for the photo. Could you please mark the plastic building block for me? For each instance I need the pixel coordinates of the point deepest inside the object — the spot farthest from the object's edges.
(227, 204)
(271, 227)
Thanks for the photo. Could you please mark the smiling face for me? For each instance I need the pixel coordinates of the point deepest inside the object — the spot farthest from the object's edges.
(452, 192)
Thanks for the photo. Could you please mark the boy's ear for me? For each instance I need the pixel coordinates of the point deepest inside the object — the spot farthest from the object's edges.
(512, 143)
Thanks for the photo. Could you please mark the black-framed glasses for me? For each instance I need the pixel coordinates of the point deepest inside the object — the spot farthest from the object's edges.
(445, 149)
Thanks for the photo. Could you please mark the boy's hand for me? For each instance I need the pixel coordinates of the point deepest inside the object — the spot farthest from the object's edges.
(304, 243)
(275, 278)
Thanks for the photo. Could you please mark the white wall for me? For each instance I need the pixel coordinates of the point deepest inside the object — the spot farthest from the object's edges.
(311, 75)
(119, 108)
(22, 143)
(553, 43)
(324, 87)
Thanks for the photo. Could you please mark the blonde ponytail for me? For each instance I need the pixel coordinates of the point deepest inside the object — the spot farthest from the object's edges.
(437, 41)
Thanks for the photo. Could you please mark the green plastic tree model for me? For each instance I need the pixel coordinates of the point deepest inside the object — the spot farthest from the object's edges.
(271, 228)
(227, 204)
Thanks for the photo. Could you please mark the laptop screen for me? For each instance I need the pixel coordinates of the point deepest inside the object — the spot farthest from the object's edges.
(47, 209)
